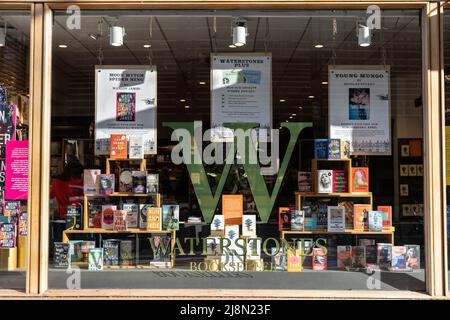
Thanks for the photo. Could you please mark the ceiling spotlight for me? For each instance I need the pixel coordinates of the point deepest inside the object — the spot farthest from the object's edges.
(287, 121)
(202, 83)
(62, 46)
(3, 36)
(282, 100)
(324, 82)
(239, 32)
(182, 100)
(318, 46)
(364, 36)
(290, 117)
(311, 97)
(300, 108)
(186, 107)
(116, 34)
(294, 114)
(147, 45)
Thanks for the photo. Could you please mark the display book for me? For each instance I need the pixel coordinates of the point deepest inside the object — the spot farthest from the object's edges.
(13, 224)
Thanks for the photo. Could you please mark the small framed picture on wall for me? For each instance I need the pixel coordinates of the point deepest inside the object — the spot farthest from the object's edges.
(404, 190)
(412, 169)
(405, 150)
(404, 170)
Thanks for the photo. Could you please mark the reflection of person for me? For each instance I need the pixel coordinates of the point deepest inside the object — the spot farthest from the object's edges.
(68, 187)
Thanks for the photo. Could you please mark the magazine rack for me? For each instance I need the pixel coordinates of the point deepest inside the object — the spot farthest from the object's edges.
(136, 232)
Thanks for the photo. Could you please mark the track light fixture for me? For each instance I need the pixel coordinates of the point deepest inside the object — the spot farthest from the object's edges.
(3, 36)
(116, 34)
(364, 36)
(239, 32)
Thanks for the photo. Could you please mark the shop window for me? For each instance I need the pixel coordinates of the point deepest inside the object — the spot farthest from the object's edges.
(240, 150)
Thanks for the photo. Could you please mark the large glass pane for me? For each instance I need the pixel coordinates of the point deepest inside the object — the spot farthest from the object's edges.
(153, 78)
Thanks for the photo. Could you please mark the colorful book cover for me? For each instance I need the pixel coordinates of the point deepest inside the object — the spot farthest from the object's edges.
(96, 259)
(11, 209)
(371, 254)
(321, 148)
(306, 247)
(111, 248)
(152, 183)
(86, 246)
(310, 210)
(126, 180)
(154, 219)
(233, 208)
(139, 182)
(387, 217)
(278, 259)
(305, 181)
(253, 248)
(75, 253)
(136, 146)
(132, 210)
(120, 220)
(348, 205)
(399, 258)
(125, 106)
(336, 219)
(340, 181)
(118, 148)
(297, 220)
(232, 234)
(324, 181)
(108, 216)
(358, 257)
(22, 226)
(361, 216)
(249, 225)
(91, 184)
(74, 217)
(171, 217)
(126, 255)
(218, 225)
(106, 183)
(384, 255)
(360, 179)
(322, 216)
(143, 208)
(294, 260)
(319, 259)
(61, 255)
(345, 149)
(94, 215)
(162, 252)
(375, 221)
(284, 218)
(334, 148)
(344, 256)
(8, 235)
(412, 256)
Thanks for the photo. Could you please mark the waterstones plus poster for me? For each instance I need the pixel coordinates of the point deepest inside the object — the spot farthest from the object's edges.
(240, 92)
(359, 108)
(125, 104)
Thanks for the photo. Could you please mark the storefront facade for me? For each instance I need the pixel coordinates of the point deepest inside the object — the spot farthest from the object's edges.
(409, 47)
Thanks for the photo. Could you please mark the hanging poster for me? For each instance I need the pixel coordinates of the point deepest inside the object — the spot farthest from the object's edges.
(16, 184)
(125, 103)
(241, 92)
(359, 108)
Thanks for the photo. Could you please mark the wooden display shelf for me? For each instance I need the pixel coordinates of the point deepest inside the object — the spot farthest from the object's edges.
(339, 159)
(121, 194)
(300, 195)
(314, 168)
(142, 163)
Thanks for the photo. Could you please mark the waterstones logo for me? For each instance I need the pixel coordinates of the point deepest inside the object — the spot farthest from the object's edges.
(243, 150)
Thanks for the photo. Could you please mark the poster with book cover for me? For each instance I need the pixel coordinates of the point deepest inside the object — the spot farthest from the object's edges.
(359, 108)
(336, 219)
(90, 180)
(241, 92)
(249, 225)
(125, 103)
(96, 259)
(132, 210)
(118, 146)
(108, 216)
(170, 217)
(154, 219)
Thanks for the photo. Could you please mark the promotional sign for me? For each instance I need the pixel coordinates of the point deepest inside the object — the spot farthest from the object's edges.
(241, 92)
(16, 182)
(359, 108)
(125, 103)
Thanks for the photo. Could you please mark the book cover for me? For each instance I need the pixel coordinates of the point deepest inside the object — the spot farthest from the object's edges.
(96, 259)
(91, 183)
(161, 249)
(11, 209)
(310, 210)
(322, 215)
(319, 259)
(320, 148)
(361, 216)
(331, 257)
(94, 215)
(74, 218)
(366, 242)
(118, 146)
(294, 260)
(136, 147)
(398, 262)
(345, 149)
(387, 217)
(22, 227)
(139, 182)
(152, 183)
(233, 208)
(8, 235)
(249, 225)
(344, 256)
(154, 219)
(384, 255)
(334, 148)
(171, 217)
(284, 218)
(125, 180)
(278, 259)
(132, 210)
(297, 220)
(143, 208)
(358, 257)
(324, 181)
(213, 247)
(253, 249)
(125, 106)
(360, 179)
(232, 234)
(75, 253)
(412, 256)
(218, 225)
(375, 221)
(371, 254)
(86, 246)
(61, 255)
(106, 183)
(336, 219)
(108, 216)
(111, 248)
(305, 181)
(340, 181)
(120, 220)
(306, 247)
(348, 205)
(126, 253)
